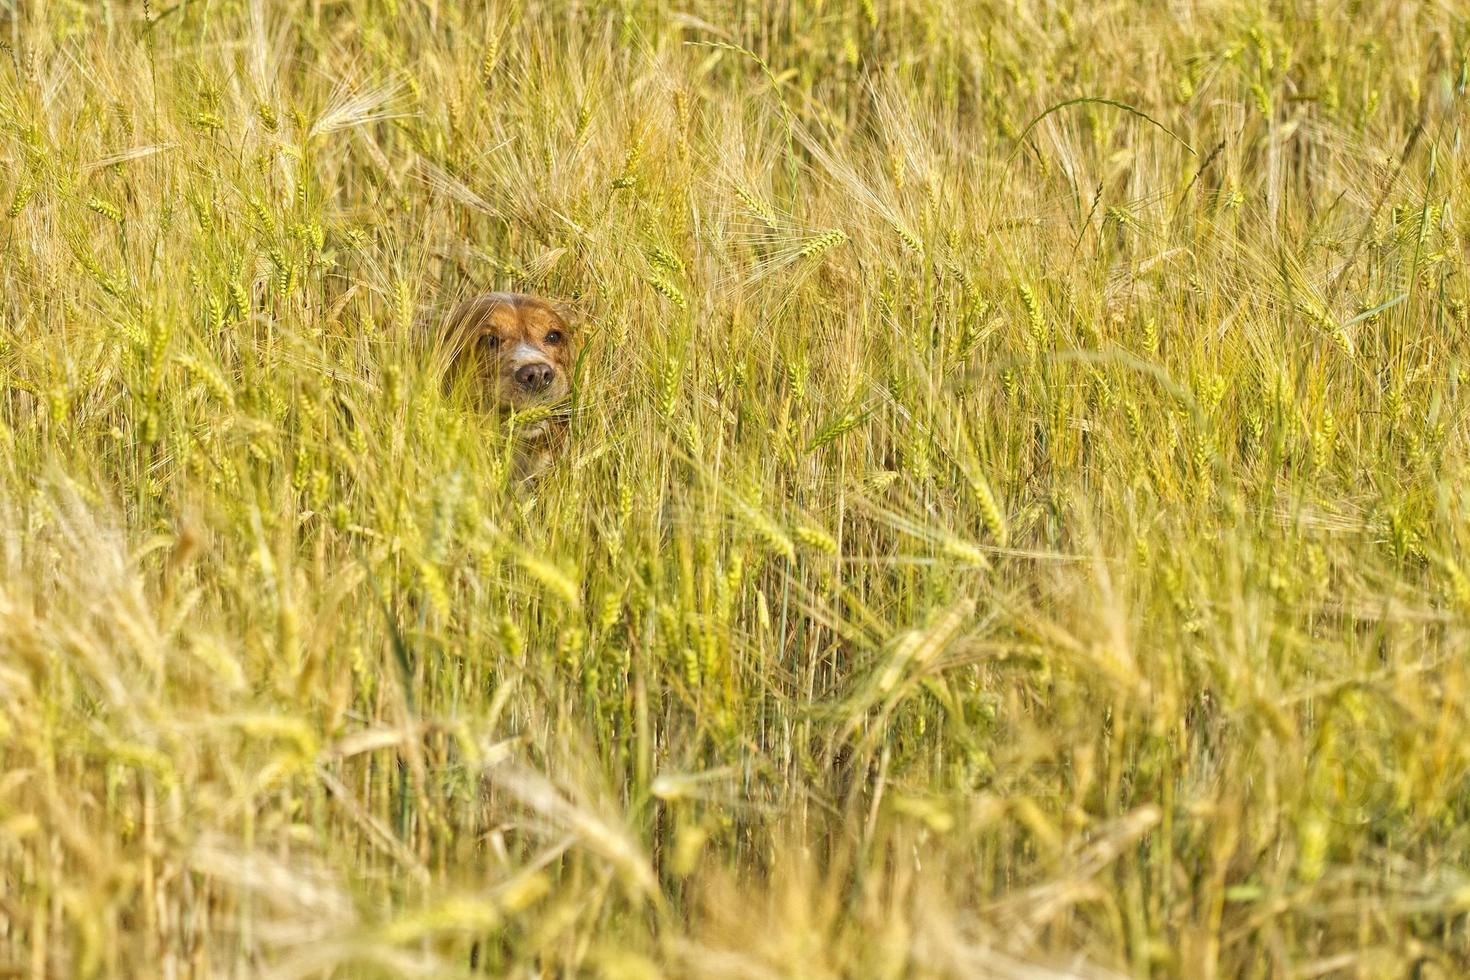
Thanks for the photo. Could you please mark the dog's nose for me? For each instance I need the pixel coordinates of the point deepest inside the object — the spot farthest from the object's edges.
(534, 377)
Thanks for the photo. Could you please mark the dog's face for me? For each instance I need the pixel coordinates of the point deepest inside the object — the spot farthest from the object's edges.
(518, 348)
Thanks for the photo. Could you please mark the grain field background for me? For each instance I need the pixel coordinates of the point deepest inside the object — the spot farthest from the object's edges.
(1013, 523)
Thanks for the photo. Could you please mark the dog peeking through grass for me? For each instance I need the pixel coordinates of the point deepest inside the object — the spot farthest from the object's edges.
(514, 355)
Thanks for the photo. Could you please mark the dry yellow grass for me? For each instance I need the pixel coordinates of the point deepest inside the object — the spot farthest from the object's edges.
(1014, 520)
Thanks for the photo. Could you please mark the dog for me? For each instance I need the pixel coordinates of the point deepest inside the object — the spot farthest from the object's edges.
(515, 352)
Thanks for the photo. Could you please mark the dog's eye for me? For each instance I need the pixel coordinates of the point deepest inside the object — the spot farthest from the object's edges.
(554, 337)
(490, 341)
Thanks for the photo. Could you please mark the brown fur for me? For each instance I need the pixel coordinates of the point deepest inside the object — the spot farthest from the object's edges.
(495, 334)
(516, 352)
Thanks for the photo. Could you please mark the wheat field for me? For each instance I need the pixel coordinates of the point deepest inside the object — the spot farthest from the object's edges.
(1013, 520)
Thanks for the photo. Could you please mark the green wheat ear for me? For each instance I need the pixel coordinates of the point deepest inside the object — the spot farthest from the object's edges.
(24, 191)
(821, 244)
(837, 427)
(990, 512)
(815, 538)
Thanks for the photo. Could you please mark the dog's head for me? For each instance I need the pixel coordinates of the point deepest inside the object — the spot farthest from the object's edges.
(516, 348)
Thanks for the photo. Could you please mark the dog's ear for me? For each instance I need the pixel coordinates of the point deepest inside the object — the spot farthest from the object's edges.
(453, 337)
(571, 315)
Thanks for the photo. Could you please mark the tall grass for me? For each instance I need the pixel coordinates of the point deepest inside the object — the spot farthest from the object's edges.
(1014, 515)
